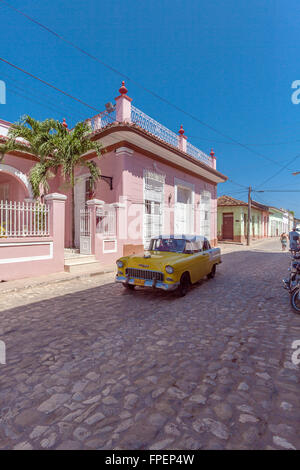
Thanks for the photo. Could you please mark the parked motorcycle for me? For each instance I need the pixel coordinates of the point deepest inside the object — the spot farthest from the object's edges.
(292, 283)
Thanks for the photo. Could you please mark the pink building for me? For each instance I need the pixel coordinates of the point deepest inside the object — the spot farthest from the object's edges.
(153, 181)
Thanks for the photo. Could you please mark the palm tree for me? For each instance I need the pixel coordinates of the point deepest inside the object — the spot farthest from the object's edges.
(32, 136)
(56, 148)
(72, 149)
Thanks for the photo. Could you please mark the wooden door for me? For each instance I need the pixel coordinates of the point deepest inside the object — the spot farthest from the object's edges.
(227, 232)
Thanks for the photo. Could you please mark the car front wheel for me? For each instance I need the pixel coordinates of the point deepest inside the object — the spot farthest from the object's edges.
(128, 286)
(184, 285)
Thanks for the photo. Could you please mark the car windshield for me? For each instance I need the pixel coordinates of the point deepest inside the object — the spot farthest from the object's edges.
(175, 245)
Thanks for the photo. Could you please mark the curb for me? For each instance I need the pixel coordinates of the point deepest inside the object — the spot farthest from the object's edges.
(28, 283)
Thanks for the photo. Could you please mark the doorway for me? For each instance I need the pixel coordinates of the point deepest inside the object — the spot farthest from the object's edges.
(227, 227)
(80, 196)
(183, 211)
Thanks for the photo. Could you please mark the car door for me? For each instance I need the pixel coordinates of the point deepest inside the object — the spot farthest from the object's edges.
(197, 261)
(207, 255)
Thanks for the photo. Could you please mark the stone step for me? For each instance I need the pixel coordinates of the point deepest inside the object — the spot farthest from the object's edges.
(71, 251)
(70, 260)
(84, 267)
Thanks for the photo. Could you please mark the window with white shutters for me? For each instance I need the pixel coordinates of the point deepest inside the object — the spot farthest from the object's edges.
(205, 214)
(153, 205)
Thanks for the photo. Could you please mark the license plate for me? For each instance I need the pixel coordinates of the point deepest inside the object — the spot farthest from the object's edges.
(139, 282)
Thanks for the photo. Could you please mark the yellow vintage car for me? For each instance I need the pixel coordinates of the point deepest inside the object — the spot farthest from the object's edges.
(172, 262)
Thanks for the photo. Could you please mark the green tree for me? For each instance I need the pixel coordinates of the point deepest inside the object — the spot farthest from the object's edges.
(72, 149)
(56, 148)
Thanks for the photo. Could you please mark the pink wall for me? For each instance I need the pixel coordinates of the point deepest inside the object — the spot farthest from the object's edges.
(14, 172)
(136, 163)
(16, 190)
(22, 164)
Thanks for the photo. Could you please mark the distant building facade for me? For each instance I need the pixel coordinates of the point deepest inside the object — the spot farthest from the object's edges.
(233, 220)
(266, 221)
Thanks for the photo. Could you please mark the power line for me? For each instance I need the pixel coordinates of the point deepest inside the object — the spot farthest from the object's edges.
(276, 191)
(113, 69)
(10, 88)
(237, 184)
(48, 84)
(245, 143)
(31, 97)
(278, 172)
(66, 110)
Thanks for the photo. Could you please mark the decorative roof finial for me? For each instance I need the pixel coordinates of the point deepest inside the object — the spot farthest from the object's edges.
(181, 130)
(64, 123)
(212, 153)
(123, 90)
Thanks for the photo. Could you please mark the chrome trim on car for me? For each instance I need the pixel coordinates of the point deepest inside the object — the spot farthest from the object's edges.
(149, 283)
(145, 274)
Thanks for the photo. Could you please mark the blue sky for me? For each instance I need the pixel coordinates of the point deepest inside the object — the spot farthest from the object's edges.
(231, 64)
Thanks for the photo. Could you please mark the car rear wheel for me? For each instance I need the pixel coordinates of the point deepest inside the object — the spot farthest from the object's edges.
(212, 273)
(128, 286)
(184, 285)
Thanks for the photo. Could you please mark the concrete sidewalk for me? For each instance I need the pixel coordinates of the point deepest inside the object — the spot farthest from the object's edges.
(227, 247)
(20, 284)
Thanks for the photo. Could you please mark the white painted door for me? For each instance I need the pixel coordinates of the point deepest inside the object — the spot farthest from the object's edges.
(153, 206)
(80, 192)
(183, 211)
(85, 231)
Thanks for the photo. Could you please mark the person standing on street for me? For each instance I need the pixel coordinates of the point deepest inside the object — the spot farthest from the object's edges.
(294, 238)
(283, 239)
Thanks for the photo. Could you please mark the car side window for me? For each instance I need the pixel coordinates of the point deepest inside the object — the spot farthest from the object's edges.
(189, 248)
(196, 247)
(206, 245)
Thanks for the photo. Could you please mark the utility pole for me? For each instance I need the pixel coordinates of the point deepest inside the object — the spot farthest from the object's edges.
(249, 216)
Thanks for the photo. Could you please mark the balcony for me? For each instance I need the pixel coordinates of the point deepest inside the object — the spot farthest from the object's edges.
(100, 121)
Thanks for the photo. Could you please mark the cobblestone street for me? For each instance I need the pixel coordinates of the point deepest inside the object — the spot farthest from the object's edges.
(92, 366)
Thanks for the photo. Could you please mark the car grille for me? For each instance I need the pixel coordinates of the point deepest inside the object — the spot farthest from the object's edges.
(144, 274)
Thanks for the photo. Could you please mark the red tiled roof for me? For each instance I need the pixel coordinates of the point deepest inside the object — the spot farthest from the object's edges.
(231, 201)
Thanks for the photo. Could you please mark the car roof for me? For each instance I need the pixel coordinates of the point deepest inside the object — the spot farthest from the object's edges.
(181, 237)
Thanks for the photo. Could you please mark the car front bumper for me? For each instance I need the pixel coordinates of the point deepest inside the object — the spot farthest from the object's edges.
(148, 283)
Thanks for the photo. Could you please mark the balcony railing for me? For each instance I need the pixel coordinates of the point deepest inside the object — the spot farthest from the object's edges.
(198, 154)
(153, 127)
(101, 120)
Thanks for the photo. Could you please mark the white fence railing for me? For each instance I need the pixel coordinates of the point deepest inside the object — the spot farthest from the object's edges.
(24, 219)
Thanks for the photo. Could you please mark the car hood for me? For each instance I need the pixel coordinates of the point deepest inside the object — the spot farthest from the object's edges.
(156, 260)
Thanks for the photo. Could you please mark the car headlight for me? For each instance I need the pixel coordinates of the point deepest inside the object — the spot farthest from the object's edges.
(120, 264)
(169, 269)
